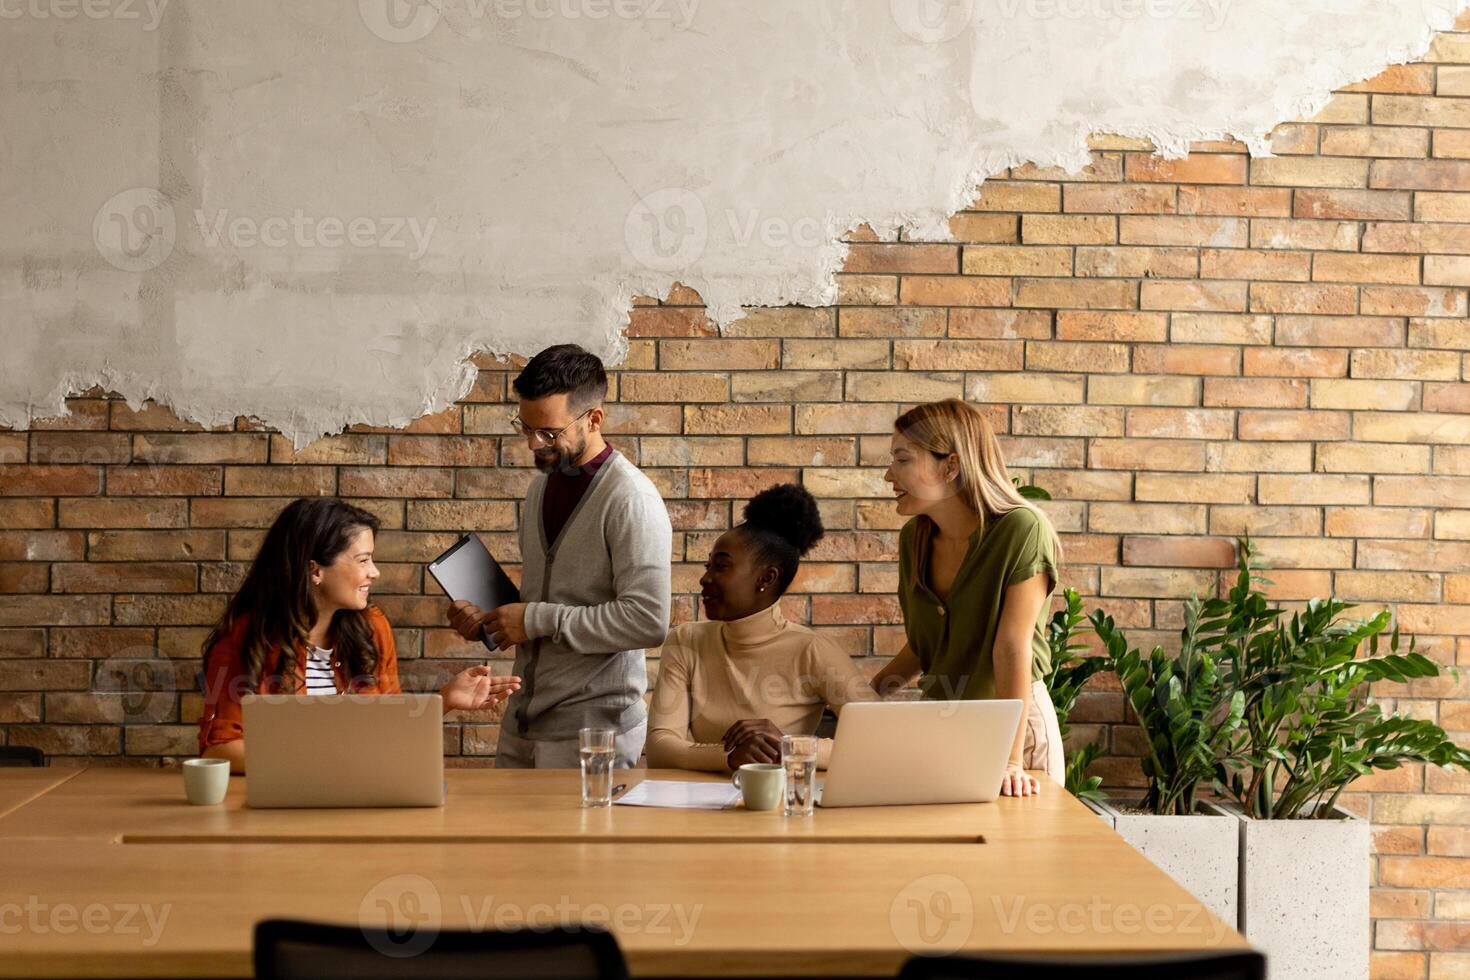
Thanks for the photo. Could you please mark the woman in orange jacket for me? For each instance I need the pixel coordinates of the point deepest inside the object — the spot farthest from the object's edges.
(307, 593)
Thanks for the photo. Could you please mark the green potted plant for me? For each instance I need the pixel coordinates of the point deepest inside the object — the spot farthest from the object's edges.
(1188, 719)
(1068, 675)
(1309, 727)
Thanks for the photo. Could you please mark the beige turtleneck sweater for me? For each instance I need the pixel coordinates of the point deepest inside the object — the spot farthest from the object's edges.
(712, 674)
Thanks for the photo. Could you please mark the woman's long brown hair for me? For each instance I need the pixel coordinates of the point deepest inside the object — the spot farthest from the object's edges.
(275, 598)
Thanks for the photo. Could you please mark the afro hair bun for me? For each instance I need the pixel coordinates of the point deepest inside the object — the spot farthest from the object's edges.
(788, 511)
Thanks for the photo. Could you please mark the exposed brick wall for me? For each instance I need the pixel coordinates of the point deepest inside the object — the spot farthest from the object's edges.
(1181, 351)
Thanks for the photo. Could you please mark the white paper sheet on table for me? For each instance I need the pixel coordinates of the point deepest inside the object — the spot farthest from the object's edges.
(681, 794)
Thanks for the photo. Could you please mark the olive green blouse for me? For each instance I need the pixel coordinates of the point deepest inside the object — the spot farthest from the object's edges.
(953, 640)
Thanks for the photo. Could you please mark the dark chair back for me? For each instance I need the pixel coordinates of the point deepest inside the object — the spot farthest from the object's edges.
(1234, 965)
(288, 949)
(21, 755)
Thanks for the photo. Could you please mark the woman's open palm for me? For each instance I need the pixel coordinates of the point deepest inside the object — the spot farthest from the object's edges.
(476, 687)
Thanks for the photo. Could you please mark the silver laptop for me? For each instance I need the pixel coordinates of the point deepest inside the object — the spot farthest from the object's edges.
(891, 752)
(337, 750)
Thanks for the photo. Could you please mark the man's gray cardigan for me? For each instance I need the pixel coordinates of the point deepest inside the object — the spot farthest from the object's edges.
(597, 596)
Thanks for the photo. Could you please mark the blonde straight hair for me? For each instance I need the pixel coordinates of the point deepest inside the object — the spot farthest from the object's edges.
(953, 426)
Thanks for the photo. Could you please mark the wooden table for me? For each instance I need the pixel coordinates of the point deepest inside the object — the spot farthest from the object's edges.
(501, 806)
(686, 892)
(22, 785)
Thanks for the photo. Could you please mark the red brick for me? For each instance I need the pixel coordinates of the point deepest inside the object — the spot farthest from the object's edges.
(828, 610)
(1337, 331)
(268, 481)
(903, 258)
(799, 321)
(1413, 301)
(176, 449)
(1208, 295)
(893, 322)
(148, 512)
(1221, 232)
(124, 577)
(737, 419)
(1136, 262)
(1067, 356)
(1428, 175)
(1294, 426)
(994, 228)
(22, 513)
(1250, 202)
(1202, 168)
(1352, 205)
(54, 610)
(151, 417)
(82, 414)
(1270, 297)
(1270, 362)
(38, 481)
(352, 449)
(954, 291)
(177, 481)
(436, 451)
(41, 545)
(1151, 454)
(736, 484)
(1176, 551)
(1000, 324)
(394, 482)
(448, 422)
(23, 577)
(1116, 294)
(1186, 359)
(1180, 423)
(1255, 393)
(663, 321)
(1120, 326)
(80, 448)
(958, 355)
(1118, 199)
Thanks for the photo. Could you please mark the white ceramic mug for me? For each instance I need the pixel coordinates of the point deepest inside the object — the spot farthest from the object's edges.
(206, 780)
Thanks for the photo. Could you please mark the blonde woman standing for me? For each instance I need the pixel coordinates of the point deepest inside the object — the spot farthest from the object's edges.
(977, 566)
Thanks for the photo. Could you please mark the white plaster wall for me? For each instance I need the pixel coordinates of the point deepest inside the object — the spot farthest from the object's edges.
(311, 212)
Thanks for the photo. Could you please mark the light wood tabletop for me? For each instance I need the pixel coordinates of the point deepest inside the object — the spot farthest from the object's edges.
(515, 806)
(21, 785)
(95, 908)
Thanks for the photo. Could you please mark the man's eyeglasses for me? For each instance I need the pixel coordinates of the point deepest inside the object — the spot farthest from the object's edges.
(547, 436)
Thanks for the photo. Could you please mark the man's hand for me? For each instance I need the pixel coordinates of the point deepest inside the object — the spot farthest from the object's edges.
(506, 626)
(465, 617)
(502, 628)
(752, 740)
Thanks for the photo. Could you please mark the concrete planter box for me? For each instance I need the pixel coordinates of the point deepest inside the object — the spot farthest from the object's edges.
(1304, 894)
(1200, 852)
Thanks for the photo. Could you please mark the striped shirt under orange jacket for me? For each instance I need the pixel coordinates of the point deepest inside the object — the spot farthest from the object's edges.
(225, 680)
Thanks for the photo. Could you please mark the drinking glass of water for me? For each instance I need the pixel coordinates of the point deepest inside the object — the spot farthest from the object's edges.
(799, 756)
(596, 745)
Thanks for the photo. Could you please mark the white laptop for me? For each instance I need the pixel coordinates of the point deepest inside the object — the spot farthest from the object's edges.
(339, 750)
(891, 752)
